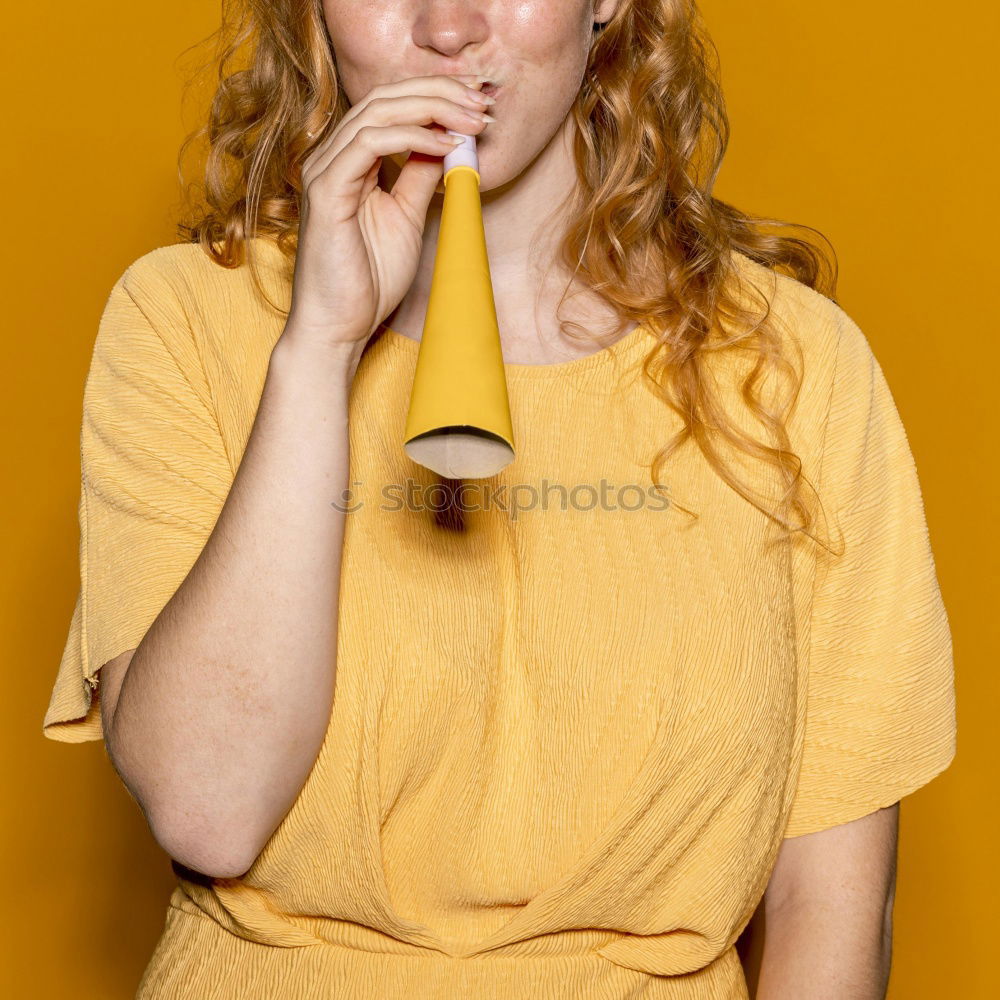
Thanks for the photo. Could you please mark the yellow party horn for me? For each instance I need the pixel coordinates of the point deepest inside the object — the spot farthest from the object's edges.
(459, 422)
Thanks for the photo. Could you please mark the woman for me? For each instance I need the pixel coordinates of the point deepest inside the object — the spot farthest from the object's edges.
(563, 738)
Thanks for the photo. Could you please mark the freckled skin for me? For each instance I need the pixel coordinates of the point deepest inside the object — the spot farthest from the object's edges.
(538, 49)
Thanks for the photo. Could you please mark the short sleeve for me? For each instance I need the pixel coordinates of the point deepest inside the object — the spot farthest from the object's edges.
(154, 477)
(880, 716)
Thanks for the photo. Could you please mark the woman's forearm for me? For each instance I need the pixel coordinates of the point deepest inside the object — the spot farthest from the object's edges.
(831, 952)
(226, 701)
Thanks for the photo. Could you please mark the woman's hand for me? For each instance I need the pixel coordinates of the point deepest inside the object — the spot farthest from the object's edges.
(359, 246)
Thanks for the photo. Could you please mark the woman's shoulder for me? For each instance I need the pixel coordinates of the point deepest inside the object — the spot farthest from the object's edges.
(185, 294)
(837, 370)
(830, 338)
(188, 270)
(806, 314)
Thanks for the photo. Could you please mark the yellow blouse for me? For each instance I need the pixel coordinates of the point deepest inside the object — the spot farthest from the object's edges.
(570, 729)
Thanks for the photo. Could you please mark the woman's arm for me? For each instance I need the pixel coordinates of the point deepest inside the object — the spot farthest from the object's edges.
(225, 703)
(828, 912)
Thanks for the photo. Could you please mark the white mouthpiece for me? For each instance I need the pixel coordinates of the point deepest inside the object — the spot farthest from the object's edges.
(464, 155)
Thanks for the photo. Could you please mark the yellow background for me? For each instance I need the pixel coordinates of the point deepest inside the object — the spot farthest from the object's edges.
(871, 122)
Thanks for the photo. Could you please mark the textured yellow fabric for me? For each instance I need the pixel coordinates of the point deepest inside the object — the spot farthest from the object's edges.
(565, 744)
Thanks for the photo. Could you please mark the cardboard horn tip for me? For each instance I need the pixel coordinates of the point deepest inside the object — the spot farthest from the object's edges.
(460, 452)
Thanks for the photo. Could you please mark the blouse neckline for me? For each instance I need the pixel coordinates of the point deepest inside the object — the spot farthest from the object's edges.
(603, 356)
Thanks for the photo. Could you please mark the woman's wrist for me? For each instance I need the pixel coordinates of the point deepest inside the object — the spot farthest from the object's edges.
(337, 359)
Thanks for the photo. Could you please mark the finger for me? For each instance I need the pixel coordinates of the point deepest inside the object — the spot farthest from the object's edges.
(415, 186)
(376, 108)
(408, 110)
(344, 179)
(371, 181)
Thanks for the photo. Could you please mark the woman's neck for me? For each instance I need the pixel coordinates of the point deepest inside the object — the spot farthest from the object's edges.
(524, 222)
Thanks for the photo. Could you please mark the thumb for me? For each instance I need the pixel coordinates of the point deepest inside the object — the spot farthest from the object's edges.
(419, 179)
